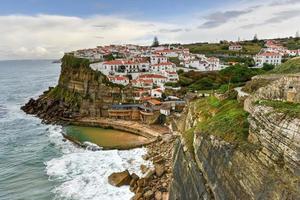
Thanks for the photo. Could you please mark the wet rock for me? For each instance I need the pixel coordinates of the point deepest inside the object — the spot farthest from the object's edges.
(144, 169)
(137, 196)
(134, 176)
(146, 157)
(149, 174)
(120, 178)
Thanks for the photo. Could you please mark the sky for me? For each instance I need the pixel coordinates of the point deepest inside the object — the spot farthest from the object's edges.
(45, 29)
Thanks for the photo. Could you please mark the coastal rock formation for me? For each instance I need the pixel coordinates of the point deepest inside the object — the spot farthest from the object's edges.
(81, 91)
(265, 167)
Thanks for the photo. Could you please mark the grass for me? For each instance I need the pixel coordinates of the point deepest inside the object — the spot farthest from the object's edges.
(288, 108)
(249, 48)
(225, 119)
(290, 66)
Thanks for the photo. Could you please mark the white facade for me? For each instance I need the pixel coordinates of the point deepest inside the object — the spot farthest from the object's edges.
(269, 58)
(122, 80)
(156, 93)
(235, 47)
(162, 67)
(156, 59)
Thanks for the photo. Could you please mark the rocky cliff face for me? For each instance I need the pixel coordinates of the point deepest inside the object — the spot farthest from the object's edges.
(265, 167)
(81, 91)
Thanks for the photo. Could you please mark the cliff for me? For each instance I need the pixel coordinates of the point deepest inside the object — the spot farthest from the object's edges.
(80, 92)
(264, 165)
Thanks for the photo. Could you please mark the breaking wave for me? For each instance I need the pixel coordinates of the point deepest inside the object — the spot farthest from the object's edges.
(82, 173)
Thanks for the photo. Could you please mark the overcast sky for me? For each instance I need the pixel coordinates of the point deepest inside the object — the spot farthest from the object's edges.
(35, 29)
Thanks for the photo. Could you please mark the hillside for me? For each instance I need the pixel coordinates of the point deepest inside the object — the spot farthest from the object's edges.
(290, 66)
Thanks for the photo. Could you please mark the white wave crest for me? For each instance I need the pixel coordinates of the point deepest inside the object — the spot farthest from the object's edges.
(82, 173)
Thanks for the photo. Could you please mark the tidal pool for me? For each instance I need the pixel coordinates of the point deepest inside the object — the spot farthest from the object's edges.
(106, 138)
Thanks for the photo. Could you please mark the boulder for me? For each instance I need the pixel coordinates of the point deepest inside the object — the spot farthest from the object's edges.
(158, 195)
(149, 194)
(150, 174)
(137, 196)
(159, 170)
(120, 178)
(134, 176)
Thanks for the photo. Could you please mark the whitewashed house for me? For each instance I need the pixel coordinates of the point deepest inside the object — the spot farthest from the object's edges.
(157, 79)
(156, 93)
(156, 59)
(172, 76)
(162, 67)
(267, 57)
(121, 80)
(167, 53)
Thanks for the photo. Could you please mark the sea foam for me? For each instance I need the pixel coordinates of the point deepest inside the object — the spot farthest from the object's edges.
(82, 174)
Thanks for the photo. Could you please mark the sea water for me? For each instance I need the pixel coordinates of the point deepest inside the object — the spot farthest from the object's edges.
(35, 161)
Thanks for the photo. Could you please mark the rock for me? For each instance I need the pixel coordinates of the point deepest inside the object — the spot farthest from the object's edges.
(148, 195)
(141, 182)
(149, 174)
(146, 157)
(137, 196)
(120, 178)
(158, 159)
(134, 176)
(165, 196)
(132, 182)
(159, 170)
(158, 195)
(144, 169)
(139, 190)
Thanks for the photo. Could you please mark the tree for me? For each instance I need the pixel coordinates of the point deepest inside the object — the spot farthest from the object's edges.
(297, 35)
(155, 42)
(255, 38)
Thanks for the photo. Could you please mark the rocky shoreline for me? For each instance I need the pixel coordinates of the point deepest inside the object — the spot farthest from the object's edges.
(155, 182)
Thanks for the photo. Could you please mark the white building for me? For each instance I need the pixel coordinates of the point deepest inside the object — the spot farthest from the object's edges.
(156, 93)
(122, 80)
(172, 76)
(157, 79)
(214, 64)
(267, 57)
(167, 53)
(156, 59)
(162, 67)
(293, 52)
(235, 47)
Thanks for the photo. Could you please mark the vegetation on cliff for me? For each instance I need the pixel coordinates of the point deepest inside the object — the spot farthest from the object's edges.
(234, 76)
(288, 108)
(249, 47)
(290, 66)
(225, 119)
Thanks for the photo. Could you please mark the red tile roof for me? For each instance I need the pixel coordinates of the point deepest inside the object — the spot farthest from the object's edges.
(150, 76)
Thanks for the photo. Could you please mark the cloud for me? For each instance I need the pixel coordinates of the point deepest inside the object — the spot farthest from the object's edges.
(48, 36)
(218, 18)
(171, 30)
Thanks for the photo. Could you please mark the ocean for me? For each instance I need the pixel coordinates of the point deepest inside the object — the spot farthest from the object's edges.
(35, 162)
